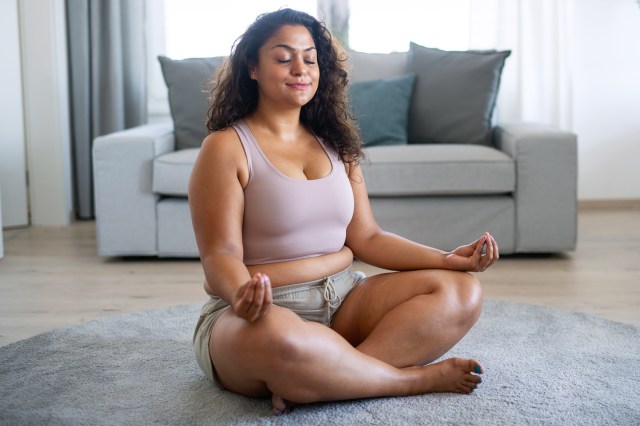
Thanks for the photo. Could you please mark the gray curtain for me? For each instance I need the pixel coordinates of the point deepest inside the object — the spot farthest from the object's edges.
(335, 15)
(107, 65)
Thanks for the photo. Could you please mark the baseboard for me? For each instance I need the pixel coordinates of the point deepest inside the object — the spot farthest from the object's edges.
(608, 204)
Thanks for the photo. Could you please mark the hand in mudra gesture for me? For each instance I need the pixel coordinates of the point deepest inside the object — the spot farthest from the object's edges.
(253, 299)
(471, 258)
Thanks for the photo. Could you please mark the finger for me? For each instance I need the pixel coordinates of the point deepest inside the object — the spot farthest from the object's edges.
(489, 255)
(269, 292)
(267, 299)
(494, 249)
(258, 299)
(480, 245)
(477, 242)
(497, 250)
(245, 301)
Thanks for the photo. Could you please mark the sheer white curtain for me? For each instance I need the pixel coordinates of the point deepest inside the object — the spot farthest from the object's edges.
(536, 81)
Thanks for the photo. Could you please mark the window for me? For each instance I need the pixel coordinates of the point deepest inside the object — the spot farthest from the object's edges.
(390, 26)
(200, 28)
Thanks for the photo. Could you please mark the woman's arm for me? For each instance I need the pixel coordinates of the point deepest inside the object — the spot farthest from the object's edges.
(377, 247)
(216, 200)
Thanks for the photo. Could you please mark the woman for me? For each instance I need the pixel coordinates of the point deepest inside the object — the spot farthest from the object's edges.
(280, 208)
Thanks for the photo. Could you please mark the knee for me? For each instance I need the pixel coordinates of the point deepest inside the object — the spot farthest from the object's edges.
(277, 343)
(464, 295)
(469, 294)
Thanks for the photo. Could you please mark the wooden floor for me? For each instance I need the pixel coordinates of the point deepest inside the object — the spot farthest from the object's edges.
(52, 277)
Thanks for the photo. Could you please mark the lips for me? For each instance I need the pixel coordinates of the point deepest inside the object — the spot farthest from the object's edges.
(299, 86)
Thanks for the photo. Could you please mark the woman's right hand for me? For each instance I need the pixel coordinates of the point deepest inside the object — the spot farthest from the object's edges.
(253, 299)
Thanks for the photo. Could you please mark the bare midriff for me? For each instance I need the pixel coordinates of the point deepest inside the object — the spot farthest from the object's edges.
(304, 270)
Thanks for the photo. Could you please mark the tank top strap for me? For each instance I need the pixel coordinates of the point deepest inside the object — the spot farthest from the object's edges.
(249, 144)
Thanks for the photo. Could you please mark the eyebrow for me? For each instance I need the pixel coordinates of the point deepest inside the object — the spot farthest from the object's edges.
(286, 46)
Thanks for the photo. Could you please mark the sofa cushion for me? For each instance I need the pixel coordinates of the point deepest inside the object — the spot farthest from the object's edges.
(187, 81)
(431, 169)
(454, 95)
(375, 66)
(381, 108)
(171, 172)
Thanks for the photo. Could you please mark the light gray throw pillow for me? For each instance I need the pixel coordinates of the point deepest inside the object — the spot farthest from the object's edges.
(454, 96)
(187, 81)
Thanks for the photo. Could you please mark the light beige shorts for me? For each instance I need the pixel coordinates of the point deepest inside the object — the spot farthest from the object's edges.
(316, 301)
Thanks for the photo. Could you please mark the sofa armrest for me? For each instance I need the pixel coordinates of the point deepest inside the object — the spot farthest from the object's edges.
(124, 202)
(546, 185)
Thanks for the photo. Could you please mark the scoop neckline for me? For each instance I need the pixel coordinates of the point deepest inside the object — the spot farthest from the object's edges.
(278, 171)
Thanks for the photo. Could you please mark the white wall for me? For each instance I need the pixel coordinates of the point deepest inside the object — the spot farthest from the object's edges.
(46, 110)
(606, 102)
(12, 141)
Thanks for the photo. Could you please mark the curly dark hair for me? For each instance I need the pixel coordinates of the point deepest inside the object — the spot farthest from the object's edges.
(235, 95)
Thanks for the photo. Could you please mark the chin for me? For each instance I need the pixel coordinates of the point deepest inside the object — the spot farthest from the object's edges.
(301, 102)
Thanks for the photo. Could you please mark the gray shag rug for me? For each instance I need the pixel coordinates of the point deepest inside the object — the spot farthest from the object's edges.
(543, 366)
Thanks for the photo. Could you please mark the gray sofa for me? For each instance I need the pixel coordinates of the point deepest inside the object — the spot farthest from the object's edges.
(517, 181)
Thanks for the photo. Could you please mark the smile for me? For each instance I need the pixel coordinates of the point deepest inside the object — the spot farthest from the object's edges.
(299, 86)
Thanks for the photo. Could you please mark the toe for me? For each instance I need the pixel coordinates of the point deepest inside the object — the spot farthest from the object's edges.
(279, 405)
(476, 367)
(465, 389)
(471, 385)
(473, 378)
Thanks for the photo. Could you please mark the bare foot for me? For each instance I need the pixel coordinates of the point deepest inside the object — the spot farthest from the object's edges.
(451, 375)
(457, 375)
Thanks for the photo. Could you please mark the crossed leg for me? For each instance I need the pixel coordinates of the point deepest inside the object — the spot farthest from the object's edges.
(299, 361)
(410, 318)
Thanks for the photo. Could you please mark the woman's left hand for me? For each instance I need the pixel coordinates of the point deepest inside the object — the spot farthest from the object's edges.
(470, 258)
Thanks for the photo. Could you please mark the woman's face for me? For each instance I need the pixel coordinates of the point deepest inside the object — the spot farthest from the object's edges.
(287, 72)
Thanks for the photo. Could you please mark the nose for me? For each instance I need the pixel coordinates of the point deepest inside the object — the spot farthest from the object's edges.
(298, 67)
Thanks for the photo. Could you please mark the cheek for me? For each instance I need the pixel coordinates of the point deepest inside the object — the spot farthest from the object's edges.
(315, 73)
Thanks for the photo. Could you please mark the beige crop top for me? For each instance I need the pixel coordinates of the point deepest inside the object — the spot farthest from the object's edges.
(287, 218)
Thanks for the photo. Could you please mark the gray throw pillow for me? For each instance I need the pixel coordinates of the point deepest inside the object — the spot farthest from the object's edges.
(455, 95)
(381, 108)
(188, 83)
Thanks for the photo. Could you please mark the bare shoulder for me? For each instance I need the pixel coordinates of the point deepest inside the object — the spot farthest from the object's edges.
(222, 151)
(221, 145)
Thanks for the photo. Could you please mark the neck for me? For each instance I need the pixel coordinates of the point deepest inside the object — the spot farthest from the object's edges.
(285, 124)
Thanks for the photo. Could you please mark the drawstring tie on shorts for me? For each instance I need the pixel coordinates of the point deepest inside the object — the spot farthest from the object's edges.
(330, 296)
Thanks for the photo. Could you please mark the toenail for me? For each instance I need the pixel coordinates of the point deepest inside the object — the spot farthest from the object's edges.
(479, 380)
(477, 369)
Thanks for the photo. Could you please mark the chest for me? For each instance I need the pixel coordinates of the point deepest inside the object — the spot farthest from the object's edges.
(304, 159)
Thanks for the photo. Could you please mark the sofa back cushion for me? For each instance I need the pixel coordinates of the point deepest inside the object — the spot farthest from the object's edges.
(454, 95)
(188, 81)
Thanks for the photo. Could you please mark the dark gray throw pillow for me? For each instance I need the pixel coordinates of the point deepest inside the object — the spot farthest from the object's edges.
(188, 83)
(381, 108)
(455, 94)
